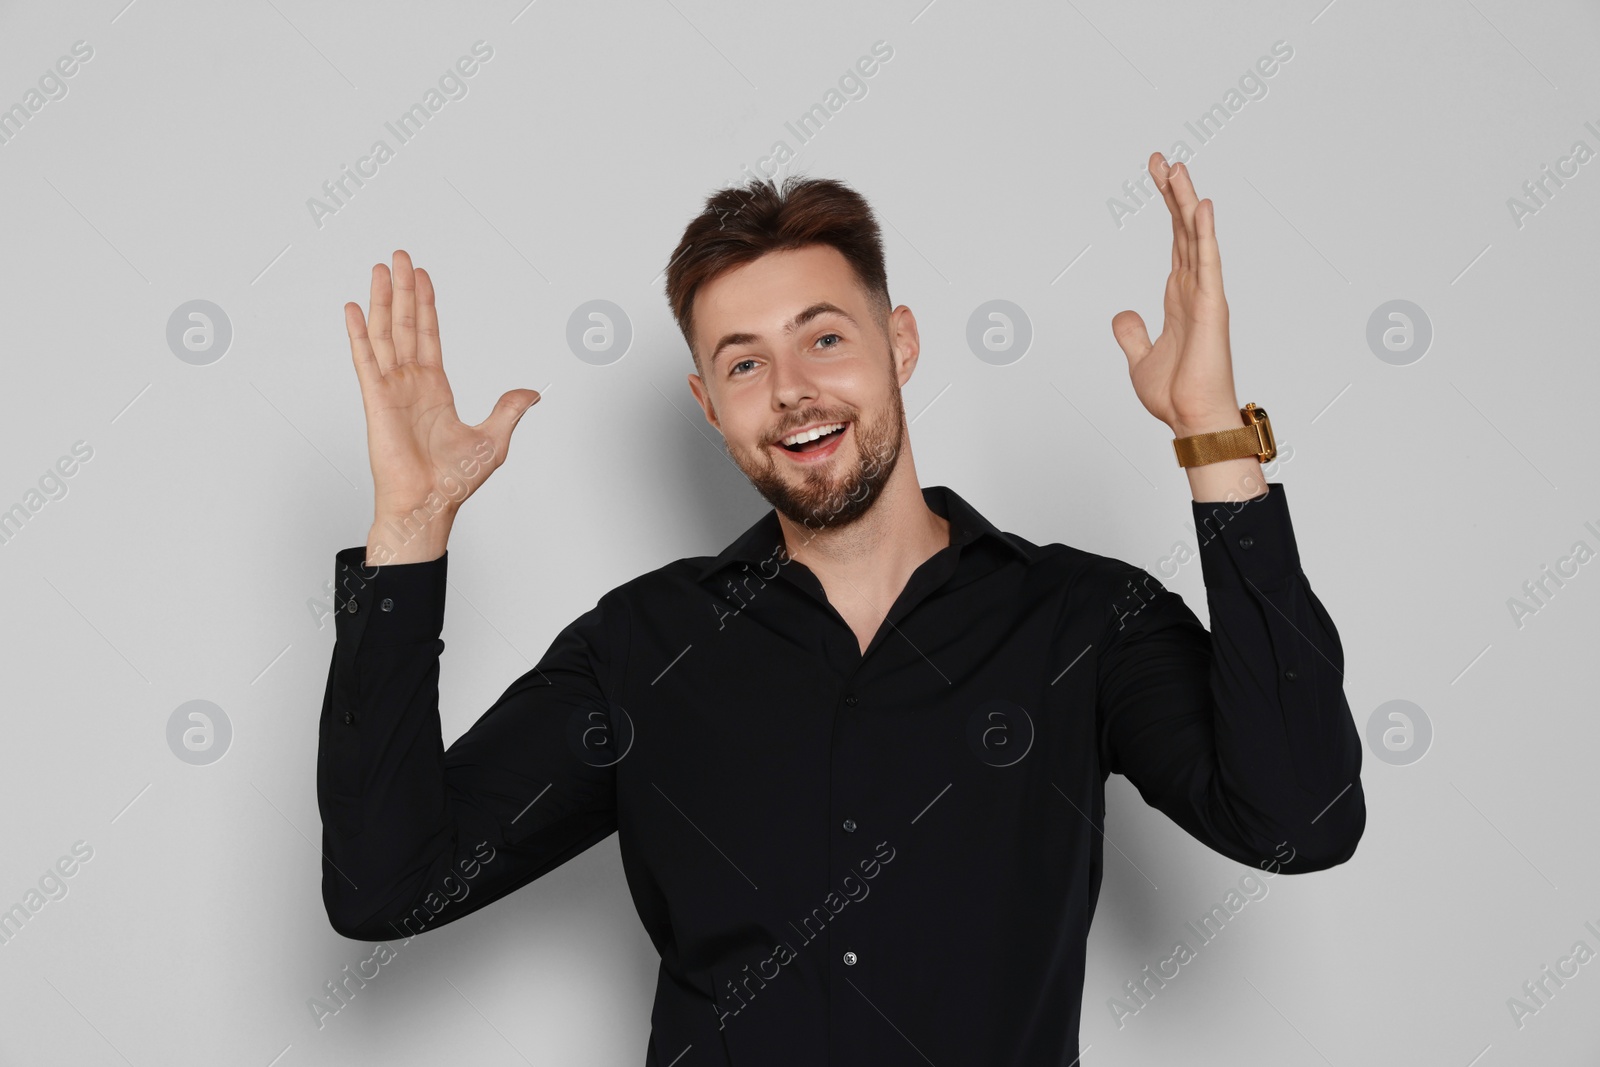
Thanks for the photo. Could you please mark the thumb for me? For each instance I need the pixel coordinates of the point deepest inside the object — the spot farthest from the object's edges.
(1128, 328)
(508, 410)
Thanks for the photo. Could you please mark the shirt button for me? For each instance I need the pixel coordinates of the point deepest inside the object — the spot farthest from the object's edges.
(1291, 675)
(350, 605)
(349, 718)
(1246, 542)
(849, 826)
(850, 959)
(850, 700)
(387, 605)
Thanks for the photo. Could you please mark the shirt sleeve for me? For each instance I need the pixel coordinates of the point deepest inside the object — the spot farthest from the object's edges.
(413, 835)
(1242, 735)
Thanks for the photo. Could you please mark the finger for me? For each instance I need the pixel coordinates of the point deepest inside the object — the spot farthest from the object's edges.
(1128, 328)
(1180, 235)
(1210, 256)
(367, 370)
(1183, 188)
(378, 317)
(1157, 167)
(405, 309)
(428, 350)
(508, 410)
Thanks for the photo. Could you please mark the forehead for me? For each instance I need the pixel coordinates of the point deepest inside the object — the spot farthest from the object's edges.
(773, 287)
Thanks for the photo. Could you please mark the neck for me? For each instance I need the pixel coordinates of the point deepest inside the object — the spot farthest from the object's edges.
(882, 547)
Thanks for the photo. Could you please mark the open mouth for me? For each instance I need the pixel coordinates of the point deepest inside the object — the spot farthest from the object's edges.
(818, 446)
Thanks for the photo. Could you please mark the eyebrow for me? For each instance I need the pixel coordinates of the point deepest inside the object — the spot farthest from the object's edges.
(821, 307)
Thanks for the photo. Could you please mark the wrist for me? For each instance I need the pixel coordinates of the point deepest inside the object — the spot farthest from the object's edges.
(414, 538)
(1207, 422)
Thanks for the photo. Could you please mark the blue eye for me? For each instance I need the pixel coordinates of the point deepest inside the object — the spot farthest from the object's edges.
(734, 372)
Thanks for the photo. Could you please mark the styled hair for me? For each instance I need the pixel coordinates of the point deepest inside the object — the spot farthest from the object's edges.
(743, 223)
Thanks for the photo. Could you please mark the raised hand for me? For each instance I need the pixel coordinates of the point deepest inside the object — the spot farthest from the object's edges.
(1185, 378)
(425, 461)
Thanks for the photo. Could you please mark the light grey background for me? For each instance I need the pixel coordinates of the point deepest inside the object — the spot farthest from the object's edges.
(188, 558)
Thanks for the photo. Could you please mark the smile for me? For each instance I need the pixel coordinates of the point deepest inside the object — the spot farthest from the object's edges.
(812, 449)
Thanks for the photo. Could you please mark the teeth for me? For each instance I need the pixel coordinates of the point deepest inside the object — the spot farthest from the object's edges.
(811, 435)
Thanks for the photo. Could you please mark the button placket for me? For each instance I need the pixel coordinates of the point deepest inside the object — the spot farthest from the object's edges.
(848, 807)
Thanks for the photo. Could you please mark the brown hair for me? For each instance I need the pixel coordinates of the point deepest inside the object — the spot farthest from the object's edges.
(742, 224)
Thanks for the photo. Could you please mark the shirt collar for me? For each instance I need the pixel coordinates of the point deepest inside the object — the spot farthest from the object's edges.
(763, 541)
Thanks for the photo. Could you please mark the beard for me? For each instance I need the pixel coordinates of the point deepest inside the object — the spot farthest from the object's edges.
(839, 491)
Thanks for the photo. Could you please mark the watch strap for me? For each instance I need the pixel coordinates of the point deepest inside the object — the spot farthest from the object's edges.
(1254, 439)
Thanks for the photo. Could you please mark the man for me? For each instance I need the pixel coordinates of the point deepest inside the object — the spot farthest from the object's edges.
(856, 761)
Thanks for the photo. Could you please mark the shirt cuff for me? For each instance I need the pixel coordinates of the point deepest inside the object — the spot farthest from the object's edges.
(396, 604)
(1251, 538)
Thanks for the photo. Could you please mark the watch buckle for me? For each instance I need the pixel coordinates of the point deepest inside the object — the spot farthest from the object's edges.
(1256, 417)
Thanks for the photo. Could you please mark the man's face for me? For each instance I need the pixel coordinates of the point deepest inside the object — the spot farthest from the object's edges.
(789, 342)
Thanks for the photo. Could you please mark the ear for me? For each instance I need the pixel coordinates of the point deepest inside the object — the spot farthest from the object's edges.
(702, 396)
(905, 342)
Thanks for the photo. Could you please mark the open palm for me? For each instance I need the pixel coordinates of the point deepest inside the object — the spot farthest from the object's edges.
(424, 458)
(1185, 378)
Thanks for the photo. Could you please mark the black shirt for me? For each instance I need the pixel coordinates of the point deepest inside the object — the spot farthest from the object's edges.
(889, 858)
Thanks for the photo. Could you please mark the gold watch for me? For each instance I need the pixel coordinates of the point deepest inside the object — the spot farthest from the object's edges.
(1254, 438)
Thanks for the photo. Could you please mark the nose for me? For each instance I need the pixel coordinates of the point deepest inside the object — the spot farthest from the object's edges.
(792, 384)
